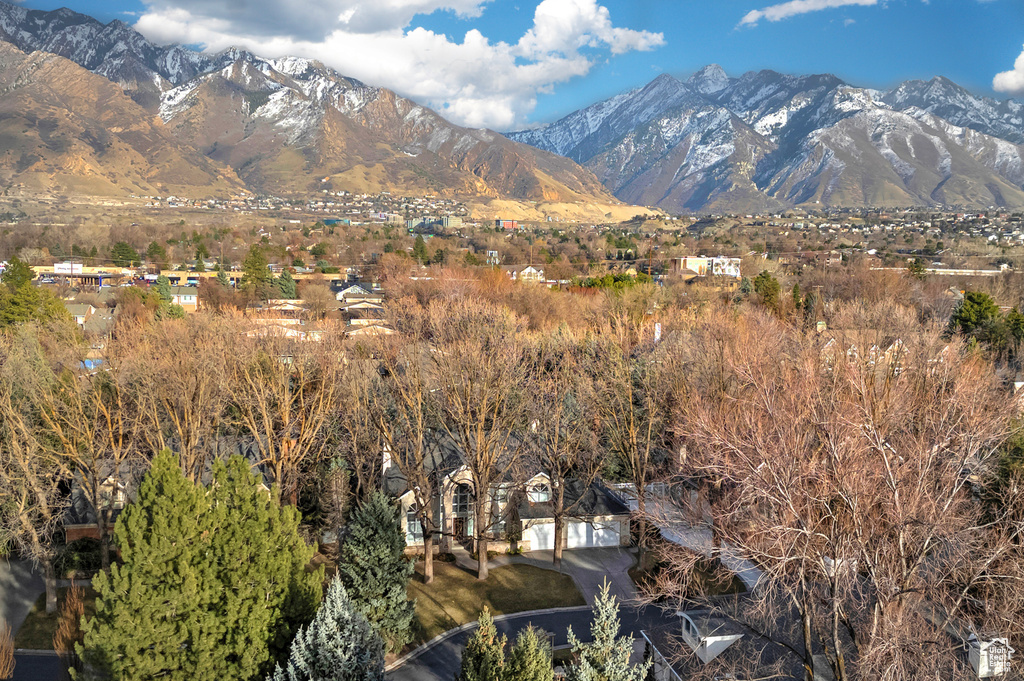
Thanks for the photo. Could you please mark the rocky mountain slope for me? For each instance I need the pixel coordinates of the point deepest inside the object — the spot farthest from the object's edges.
(294, 125)
(291, 125)
(114, 50)
(66, 131)
(767, 140)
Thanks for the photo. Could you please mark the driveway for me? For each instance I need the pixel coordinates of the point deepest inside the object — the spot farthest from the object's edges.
(680, 531)
(591, 568)
(20, 586)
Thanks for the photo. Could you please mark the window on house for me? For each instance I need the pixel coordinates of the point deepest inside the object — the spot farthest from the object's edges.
(413, 528)
(463, 500)
(499, 501)
(539, 493)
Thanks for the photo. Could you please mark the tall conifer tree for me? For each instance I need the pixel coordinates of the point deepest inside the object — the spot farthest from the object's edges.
(213, 582)
(155, 611)
(375, 570)
(530, 658)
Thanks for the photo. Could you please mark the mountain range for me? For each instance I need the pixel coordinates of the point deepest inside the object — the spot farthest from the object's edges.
(768, 141)
(96, 108)
(281, 126)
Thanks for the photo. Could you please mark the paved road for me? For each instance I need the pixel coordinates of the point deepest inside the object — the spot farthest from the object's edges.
(36, 668)
(442, 662)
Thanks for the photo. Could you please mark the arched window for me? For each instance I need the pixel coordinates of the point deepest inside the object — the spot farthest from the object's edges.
(539, 492)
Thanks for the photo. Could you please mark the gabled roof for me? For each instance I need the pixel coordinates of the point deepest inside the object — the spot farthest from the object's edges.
(585, 501)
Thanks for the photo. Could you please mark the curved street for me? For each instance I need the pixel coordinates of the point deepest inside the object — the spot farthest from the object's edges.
(442, 661)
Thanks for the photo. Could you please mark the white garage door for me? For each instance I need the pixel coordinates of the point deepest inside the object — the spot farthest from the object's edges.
(540, 536)
(585, 535)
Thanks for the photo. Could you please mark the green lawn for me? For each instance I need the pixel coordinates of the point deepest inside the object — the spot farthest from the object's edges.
(37, 631)
(456, 596)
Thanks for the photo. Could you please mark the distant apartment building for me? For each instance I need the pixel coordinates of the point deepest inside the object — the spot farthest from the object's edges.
(702, 266)
(451, 222)
(506, 224)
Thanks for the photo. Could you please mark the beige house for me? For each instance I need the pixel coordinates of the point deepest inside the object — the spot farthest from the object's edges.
(519, 511)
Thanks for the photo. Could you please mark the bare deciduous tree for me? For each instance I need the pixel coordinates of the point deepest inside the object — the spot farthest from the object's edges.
(562, 422)
(850, 480)
(179, 374)
(285, 396)
(403, 413)
(478, 361)
(31, 477)
(69, 631)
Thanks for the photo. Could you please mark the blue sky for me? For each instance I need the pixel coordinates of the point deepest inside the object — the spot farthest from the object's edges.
(511, 63)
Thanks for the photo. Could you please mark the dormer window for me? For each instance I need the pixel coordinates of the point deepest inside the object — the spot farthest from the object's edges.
(539, 493)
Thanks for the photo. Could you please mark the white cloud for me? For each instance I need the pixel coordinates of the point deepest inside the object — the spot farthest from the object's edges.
(474, 82)
(313, 19)
(792, 8)
(1011, 82)
(568, 25)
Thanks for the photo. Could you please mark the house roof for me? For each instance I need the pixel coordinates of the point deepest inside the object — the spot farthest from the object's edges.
(444, 457)
(585, 501)
(79, 309)
(99, 323)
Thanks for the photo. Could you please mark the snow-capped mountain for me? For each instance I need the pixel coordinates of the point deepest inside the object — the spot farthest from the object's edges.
(769, 140)
(946, 99)
(115, 50)
(67, 131)
(294, 124)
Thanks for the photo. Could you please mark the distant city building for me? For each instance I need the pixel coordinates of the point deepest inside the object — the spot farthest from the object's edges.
(506, 224)
(720, 266)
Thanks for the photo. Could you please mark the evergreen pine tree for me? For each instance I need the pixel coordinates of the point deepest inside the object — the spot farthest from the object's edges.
(212, 584)
(375, 570)
(810, 308)
(163, 288)
(156, 255)
(286, 285)
(797, 300)
(530, 658)
(261, 562)
(338, 645)
(154, 613)
(768, 288)
(17, 274)
(419, 250)
(222, 277)
(256, 272)
(484, 656)
(607, 657)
